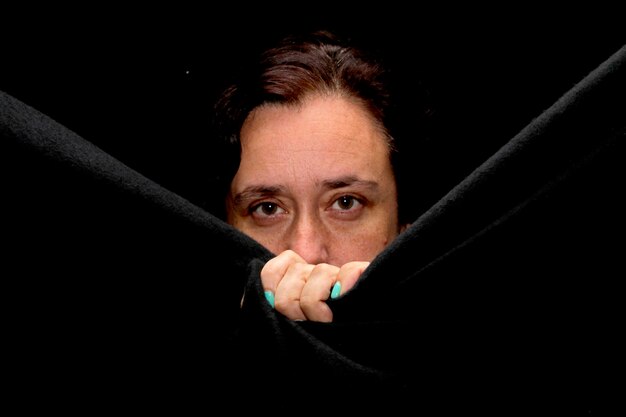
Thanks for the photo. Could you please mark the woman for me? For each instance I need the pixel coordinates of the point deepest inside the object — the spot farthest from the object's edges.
(312, 174)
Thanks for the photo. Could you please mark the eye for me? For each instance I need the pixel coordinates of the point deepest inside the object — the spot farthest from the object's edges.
(347, 202)
(266, 209)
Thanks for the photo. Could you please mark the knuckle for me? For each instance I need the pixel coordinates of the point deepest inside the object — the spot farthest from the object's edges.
(308, 300)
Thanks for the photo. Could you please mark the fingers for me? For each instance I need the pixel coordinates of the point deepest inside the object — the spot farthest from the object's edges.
(300, 290)
(347, 277)
(283, 279)
(274, 270)
(316, 291)
(287, 297)
(326, 281)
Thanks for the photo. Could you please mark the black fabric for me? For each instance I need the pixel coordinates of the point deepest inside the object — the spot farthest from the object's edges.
(502, 298)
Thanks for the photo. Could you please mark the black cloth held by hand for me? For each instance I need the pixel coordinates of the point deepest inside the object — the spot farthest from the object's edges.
(501, 298)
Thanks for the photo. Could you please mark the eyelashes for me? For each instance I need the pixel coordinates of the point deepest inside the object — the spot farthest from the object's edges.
(344, 204)
(265, 208)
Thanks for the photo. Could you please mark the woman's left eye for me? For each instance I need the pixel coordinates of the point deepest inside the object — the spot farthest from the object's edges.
(346, 202)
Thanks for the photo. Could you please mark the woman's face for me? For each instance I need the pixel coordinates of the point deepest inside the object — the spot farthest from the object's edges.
(315, 178)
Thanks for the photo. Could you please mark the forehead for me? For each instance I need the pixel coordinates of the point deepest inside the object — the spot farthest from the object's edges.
(318, 122)
(299, 147)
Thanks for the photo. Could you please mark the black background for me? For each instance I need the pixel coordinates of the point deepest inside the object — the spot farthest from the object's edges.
(140, 83)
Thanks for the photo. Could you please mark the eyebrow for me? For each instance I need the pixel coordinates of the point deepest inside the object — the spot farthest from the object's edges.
(349, 181)
(256, 191)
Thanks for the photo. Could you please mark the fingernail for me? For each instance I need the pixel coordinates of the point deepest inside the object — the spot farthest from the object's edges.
(269, 296)
(336, 290)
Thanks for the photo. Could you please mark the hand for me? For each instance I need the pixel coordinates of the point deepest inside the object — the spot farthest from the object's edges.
(299, 290)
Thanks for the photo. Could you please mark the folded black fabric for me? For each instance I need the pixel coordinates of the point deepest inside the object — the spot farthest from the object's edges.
(116, 289)
(501, 298)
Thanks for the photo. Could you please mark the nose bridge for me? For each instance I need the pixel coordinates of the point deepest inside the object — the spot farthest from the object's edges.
(308, 237)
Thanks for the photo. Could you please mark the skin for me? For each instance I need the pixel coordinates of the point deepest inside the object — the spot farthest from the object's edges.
(315, 186)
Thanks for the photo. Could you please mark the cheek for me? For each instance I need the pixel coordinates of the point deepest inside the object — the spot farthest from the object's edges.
(360, 246)
(273, 243)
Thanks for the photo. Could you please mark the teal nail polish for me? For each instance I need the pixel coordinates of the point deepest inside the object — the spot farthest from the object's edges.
(336, 290)
(269, 296)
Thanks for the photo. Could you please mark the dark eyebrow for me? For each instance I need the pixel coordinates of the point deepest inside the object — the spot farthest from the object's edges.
(349, 181)
(255, 191)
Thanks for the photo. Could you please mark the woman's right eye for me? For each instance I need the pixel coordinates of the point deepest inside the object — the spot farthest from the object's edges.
(266, 209)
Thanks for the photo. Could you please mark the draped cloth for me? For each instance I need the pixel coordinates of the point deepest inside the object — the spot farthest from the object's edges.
(502, 297)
